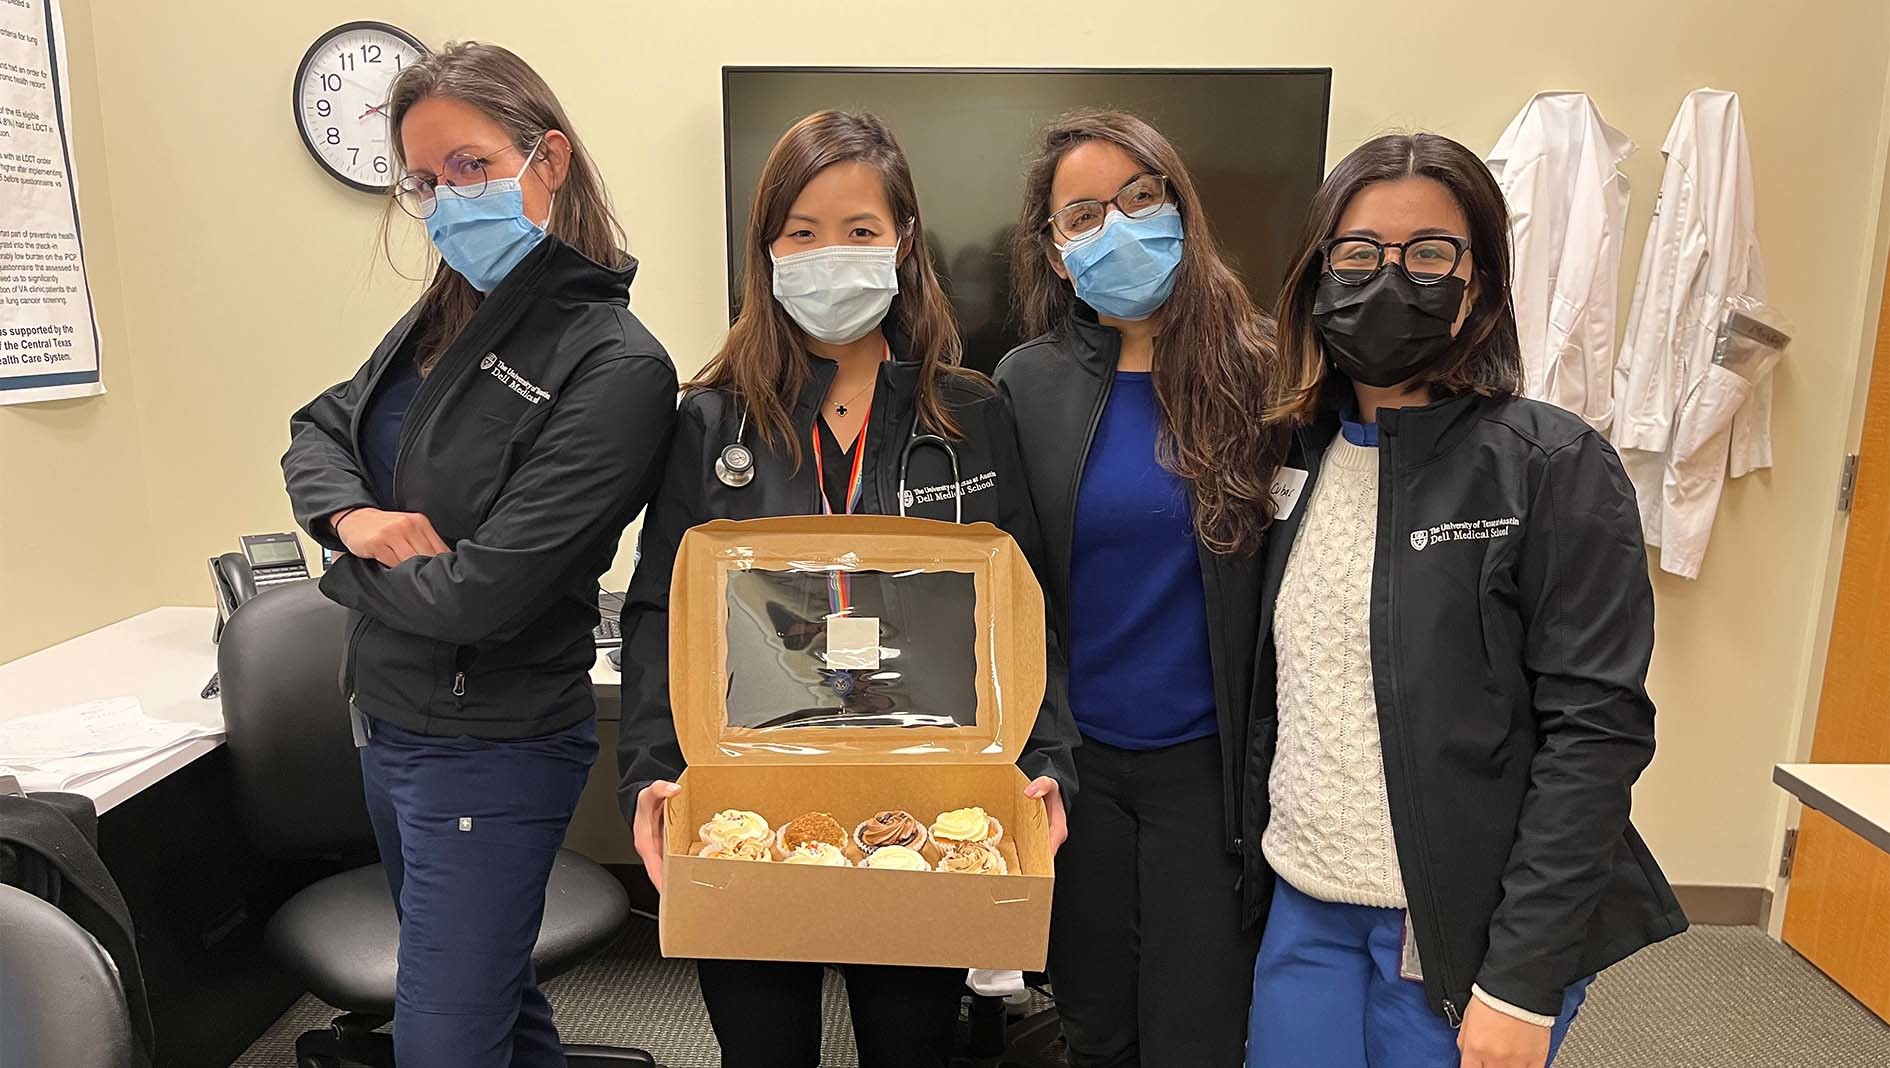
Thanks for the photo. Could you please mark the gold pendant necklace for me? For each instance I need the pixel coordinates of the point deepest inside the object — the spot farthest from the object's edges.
(840, 408)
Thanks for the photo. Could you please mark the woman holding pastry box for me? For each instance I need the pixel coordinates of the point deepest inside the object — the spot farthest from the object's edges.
(844, 352)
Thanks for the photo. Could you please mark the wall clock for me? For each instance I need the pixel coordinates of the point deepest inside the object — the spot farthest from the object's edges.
(340, 97)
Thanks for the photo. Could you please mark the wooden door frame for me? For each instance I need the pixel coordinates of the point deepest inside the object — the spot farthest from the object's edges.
(1873, 335)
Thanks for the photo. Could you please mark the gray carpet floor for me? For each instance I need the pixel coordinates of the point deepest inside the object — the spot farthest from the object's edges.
(1716, 997)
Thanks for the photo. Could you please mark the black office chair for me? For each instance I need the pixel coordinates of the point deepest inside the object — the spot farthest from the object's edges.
(60, 1002)
(298, 786)
(1003, 1035)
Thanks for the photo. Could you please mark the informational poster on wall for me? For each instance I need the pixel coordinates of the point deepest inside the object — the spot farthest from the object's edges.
(49, 346)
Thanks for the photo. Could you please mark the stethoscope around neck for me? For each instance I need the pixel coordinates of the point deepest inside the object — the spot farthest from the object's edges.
(735, 467)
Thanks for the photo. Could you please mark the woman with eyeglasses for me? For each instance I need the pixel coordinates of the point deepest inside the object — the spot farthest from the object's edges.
(836, 392)
(1456, 628)
(1139, 414)
(477, 473)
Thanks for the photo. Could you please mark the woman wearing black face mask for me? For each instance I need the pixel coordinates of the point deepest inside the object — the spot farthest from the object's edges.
(1456, 624)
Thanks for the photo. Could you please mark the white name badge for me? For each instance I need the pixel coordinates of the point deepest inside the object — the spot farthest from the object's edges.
(853, 643)
(1287, 482)
(1409, 965)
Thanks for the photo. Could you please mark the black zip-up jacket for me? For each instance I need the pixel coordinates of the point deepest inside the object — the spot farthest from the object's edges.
(1056, 386)
(532, 443)
(994, 492)
(1512, 622)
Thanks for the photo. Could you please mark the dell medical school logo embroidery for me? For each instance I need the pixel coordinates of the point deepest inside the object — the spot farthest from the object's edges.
(947, 491)
(511, 379)
(1464, 530)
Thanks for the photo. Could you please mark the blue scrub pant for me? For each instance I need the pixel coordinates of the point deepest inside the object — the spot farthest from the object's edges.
(1326, 992)
(468, 831)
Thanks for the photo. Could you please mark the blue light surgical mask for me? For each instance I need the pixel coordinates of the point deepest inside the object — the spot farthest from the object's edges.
(1127, 269)
(485, 236)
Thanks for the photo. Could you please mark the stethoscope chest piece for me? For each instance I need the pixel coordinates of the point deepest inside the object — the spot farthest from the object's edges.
(736, 466)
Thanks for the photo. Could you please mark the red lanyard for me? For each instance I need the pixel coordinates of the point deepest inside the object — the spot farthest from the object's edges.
(840, 590)
(855, 485)
(840, 586)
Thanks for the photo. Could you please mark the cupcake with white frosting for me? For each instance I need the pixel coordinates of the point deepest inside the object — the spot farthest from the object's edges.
(820, 854)
(896, 858)
(740, 849)
(733, 825)
(966, 826)
(974, 858)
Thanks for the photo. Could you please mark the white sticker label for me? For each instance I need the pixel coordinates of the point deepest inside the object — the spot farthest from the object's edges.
(1287, 482)
(1409, 967)
(853, 643)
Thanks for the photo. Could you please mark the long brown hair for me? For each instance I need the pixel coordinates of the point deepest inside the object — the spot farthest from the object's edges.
(1214, 351)
(764, 358)
(1485, 357)
(510, 92)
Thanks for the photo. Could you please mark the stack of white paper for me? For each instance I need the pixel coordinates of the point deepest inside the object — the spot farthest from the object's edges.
(65, 748)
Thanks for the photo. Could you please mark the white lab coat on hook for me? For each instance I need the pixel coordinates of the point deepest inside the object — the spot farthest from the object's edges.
(1558, 166)
(1678, 423)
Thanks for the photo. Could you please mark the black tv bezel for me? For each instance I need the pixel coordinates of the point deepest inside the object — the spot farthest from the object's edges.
(730, 268)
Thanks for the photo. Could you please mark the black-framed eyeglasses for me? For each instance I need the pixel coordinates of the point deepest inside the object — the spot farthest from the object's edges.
(1083, 219)
(1354, 261)
(467, 174)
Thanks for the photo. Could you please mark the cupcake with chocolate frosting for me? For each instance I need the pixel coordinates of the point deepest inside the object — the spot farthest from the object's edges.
(894, 827)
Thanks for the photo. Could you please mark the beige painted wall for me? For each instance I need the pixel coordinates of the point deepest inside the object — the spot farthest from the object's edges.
(250, 279)
(75, 536)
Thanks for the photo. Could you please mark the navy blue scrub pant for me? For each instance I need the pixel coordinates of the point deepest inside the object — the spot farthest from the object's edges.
(468, 831)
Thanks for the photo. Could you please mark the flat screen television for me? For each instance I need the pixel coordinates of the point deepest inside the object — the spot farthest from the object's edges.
(1255, 141)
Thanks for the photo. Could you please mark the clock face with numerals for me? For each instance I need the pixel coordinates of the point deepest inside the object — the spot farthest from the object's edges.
(340, 97)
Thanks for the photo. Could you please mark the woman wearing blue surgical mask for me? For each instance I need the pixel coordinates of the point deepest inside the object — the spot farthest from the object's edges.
(1140, 412)
(837, 391)
(476, 474)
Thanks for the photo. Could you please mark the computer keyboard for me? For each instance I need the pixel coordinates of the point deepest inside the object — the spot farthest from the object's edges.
(609, 632)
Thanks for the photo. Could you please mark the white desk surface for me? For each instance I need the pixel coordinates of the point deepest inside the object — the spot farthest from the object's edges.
(1855, 795)
(162, 657)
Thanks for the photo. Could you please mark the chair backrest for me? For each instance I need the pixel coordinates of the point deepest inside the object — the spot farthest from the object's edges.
(60, 1002)
(297, 775)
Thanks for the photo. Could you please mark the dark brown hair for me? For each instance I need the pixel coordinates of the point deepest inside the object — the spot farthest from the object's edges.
(1485, 357)
(1214, 351)
(764, 358)
(511, 93)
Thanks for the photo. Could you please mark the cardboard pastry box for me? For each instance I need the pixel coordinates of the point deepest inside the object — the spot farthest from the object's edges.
(851, 665)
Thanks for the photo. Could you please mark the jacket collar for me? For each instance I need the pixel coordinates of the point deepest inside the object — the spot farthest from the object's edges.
(1097, 348)
(821, 372)
(1423, 434)
(1420, 434)
(899, 374)
(555, 269)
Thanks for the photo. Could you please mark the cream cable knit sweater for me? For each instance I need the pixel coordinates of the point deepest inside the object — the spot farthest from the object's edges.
(1330, 836)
